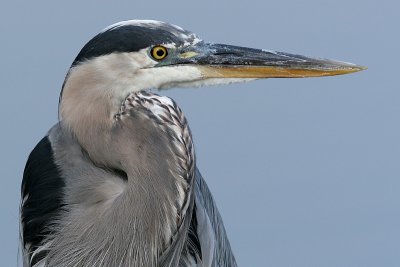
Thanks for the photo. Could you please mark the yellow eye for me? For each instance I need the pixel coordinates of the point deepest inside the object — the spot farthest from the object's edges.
(159, 52)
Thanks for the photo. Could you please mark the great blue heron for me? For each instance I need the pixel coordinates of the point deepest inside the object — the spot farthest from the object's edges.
(114, 182)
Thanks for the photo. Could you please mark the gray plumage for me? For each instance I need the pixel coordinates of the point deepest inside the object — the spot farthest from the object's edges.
(115, 182)
(110, 220)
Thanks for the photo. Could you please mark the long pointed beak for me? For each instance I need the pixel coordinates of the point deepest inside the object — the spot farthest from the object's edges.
(227, 61)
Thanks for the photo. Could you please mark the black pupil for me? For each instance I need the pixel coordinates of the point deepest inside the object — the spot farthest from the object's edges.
(160, 52)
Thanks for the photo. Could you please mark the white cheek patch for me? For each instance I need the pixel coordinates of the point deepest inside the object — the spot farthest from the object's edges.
(141, 59)
(165, 77)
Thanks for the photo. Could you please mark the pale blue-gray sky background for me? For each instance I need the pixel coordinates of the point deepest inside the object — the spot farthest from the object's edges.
(305, 172)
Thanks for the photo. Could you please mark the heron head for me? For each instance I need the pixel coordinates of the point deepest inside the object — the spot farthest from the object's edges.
(145, 54)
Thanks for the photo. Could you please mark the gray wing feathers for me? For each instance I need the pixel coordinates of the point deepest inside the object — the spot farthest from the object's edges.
(215, 247)
(173, 255)
(216, 250)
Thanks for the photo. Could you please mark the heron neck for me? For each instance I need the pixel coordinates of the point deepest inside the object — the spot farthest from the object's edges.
(146, 210)
(94, 90)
